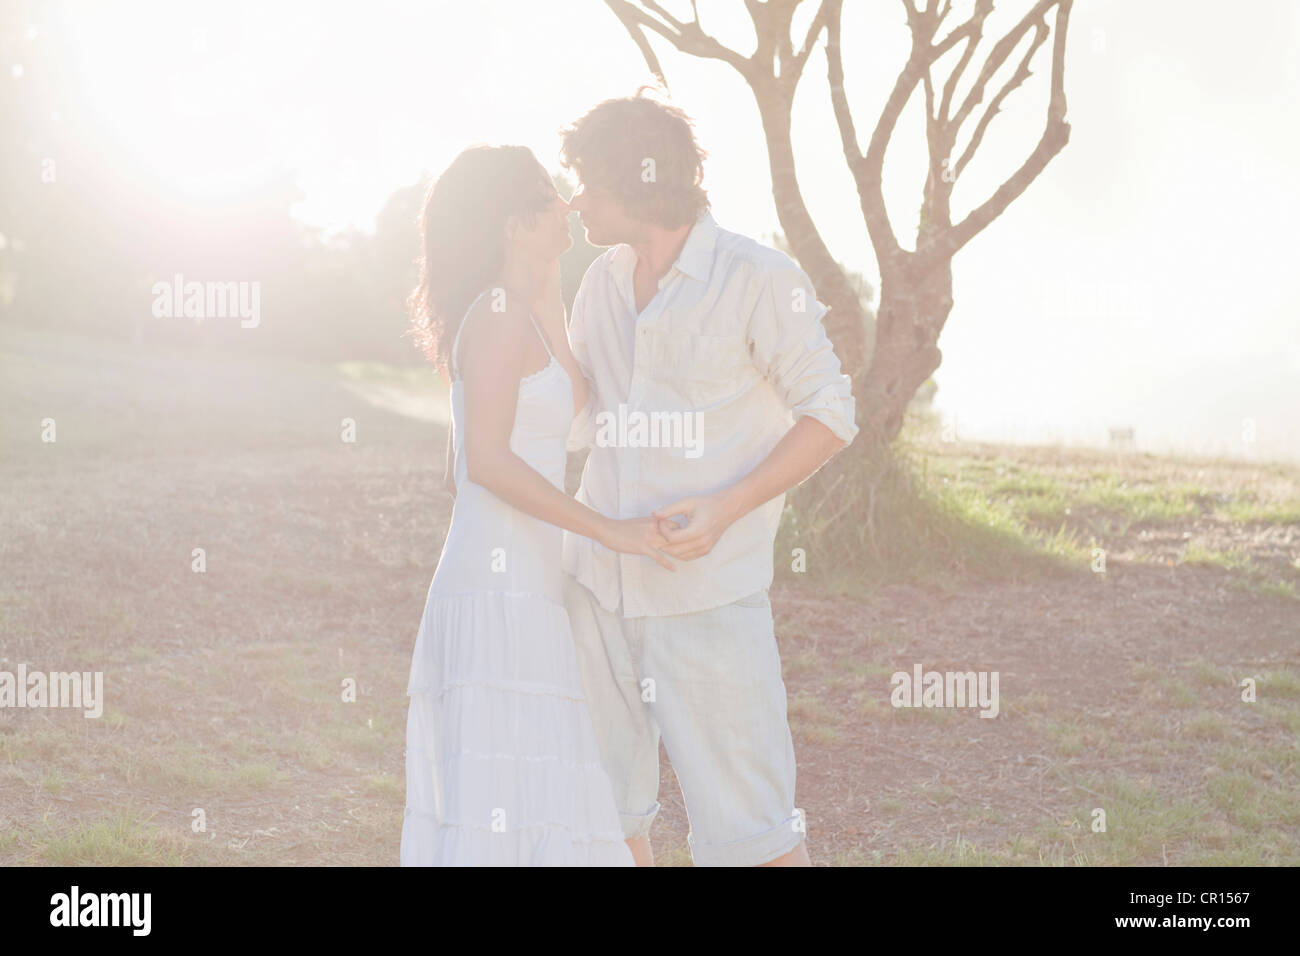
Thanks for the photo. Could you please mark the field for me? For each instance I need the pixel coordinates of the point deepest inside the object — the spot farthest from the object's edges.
(225, 690)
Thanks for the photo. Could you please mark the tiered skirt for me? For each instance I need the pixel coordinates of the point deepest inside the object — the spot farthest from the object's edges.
(502, 765)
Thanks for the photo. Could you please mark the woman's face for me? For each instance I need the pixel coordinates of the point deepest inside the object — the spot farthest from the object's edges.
(547, 235)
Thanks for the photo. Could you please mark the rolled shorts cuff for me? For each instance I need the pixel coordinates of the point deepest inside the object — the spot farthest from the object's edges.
(638, 824)
(751, 851)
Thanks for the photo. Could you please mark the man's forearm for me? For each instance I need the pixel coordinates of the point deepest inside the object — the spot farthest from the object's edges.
(800, 452)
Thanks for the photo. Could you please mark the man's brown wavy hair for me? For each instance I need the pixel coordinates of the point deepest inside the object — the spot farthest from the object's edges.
(609, 149)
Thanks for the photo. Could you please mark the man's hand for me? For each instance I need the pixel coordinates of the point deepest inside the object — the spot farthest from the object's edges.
(801, 451)
(707, 517)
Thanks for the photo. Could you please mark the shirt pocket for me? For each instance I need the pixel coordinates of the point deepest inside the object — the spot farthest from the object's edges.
(705, 368)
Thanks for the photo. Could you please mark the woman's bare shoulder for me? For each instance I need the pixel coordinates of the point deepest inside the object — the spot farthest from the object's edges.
(496, 328)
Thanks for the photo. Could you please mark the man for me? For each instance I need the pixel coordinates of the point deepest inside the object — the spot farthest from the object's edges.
(682, 317)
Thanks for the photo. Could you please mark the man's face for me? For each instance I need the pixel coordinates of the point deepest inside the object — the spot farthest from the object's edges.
(604, 217)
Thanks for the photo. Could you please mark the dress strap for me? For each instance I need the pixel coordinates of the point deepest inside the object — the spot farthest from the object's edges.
(538, 329)
(455, 346)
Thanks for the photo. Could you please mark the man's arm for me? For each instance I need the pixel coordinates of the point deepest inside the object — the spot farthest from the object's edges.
(800, 452)
(791, 349)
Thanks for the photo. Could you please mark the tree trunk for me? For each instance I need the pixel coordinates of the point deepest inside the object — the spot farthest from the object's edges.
(911, 315)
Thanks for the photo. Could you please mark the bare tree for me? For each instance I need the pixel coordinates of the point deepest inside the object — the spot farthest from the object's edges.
(916, 284)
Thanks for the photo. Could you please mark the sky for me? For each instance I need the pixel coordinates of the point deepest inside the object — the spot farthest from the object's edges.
(1146, 279)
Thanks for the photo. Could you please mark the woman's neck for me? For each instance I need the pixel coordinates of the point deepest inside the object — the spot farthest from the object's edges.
(522, 277)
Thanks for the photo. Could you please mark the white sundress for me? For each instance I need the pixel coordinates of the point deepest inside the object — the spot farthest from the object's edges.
(502, 766)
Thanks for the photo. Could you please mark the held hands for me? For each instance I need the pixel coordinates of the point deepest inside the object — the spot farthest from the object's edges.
(707, 517)
(635, 536)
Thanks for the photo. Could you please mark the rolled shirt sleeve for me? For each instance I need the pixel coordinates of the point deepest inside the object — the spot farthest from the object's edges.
(791, 349)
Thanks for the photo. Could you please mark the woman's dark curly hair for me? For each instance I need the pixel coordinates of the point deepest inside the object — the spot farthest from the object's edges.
(611, 148)
(463, 228)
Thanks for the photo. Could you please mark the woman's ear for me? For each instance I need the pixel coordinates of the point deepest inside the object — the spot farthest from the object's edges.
(512, 228)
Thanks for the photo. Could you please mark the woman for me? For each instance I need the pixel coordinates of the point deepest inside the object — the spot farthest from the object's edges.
(502, 766)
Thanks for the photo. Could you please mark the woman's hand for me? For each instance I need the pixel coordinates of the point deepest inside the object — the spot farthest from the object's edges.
(635, 536)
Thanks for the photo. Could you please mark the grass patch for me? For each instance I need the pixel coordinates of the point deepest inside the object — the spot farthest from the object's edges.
(1233, 560)
(1206, 726)
(872, 518)
(1248, 511)
(121, 840)
(386, 785)
(253, 776)
(1284, 685)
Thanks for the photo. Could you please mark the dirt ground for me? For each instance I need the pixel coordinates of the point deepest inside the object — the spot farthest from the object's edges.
(1119, 691)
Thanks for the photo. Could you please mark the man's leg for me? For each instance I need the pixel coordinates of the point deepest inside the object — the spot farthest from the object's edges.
(641, 852)
(720, 703)
(796, 857)
(608, 649)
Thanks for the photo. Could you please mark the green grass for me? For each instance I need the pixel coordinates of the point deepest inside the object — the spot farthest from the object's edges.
(1277, 589)
(1248, 575)
(1249, 511)
(1280, 685)
(1206, 726)
(1073, 737)
(922, 527)
(410, 376)
(254, 776)
(120, 840)
(387, 785)
(938, 513)
(1229, 560)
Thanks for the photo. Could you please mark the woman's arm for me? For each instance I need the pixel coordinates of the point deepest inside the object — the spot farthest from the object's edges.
(492, 353)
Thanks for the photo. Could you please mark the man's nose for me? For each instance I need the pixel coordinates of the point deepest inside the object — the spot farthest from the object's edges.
(576, 200)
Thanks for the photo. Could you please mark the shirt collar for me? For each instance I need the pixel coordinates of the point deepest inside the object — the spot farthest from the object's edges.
(695, 259)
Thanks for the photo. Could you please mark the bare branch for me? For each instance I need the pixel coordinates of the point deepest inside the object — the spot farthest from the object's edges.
(1056, 133)
(687, 37)
(799, 59)
(1021, 74)
(622, 11)
(975, 24)
(839, 100)
(973, 31)
(668, 18)
(865, 177)
(1001, 50)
